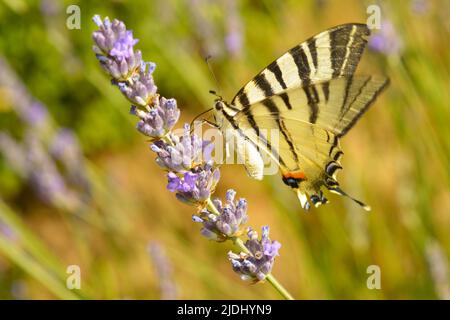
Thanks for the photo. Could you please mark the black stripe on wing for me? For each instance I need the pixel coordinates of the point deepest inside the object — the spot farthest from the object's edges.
(333, 53)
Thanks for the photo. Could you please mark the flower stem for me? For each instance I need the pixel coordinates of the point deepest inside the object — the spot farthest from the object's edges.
(282, 290)
(238, 242)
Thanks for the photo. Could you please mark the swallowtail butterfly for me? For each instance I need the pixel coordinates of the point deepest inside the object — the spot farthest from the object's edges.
(311, 95)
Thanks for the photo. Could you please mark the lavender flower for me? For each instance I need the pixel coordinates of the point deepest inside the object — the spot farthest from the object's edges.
(195, 186)
(158, 120)
(141, 90)
(258, 264)
(50, 185)
(65, 148)
(35, 157)
(114, 48)
(7, 232)
(164, 271)
(228, 224)
(36, 115)
(233, 38)
(387, 40)
(185, 153)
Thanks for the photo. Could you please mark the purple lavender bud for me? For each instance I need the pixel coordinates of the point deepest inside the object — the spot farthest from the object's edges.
(173, 182)
(258, 264)
(114, 48)
(195, 186)
(142, 90)
(187, 152)
(159, 120)
(123, 47)
(230, 221)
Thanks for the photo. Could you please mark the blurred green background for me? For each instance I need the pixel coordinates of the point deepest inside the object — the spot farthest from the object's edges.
(79, 185)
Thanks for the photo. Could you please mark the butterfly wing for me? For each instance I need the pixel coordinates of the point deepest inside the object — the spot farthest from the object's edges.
(334, 105)
(310, 120)
(307, 155)
(330, 54)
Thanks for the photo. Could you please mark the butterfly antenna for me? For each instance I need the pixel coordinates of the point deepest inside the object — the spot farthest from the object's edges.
(207, 60)
(198, 116)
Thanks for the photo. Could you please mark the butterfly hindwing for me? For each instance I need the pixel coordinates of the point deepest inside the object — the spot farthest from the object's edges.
(302, 150)
(334, 105)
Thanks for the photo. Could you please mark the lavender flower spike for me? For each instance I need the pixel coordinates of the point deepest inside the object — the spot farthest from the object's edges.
(141, 90)
(228, 224)
(192, 175)
(257, 265)
(159, 120)
(114, 48)
(195, 186)
(187, 151)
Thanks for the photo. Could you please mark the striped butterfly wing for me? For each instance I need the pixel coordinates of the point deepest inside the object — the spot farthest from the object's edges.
(307, 155)
(333, 53)
(310, 120)
(334, 105)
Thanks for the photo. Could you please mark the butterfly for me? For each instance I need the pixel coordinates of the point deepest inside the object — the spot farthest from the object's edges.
(313, 98)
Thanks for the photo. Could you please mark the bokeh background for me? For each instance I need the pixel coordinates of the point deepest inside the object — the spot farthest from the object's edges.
(79, 185)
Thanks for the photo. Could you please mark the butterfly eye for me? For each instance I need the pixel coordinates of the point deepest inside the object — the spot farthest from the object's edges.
(218, 105)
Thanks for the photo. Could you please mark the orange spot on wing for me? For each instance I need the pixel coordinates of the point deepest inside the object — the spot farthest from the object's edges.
(299, 175)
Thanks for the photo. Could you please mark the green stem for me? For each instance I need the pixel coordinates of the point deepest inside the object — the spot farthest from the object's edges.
(238, 242)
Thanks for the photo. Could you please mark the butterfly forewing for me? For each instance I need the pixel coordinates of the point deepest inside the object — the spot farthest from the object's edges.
(330, 54)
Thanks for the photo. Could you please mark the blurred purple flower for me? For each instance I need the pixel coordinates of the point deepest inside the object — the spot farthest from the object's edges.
(35, 157)
(45, 176)
(228, 224)
(7, 232)
(50, 7)
(65, 148)
(233, 37)
(258, 264)
(420, 7)
(163, 270)
(35, 115)
(386, 40)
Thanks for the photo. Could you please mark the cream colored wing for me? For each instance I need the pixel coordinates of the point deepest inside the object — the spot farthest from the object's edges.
(335, 105)
(330, 54)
